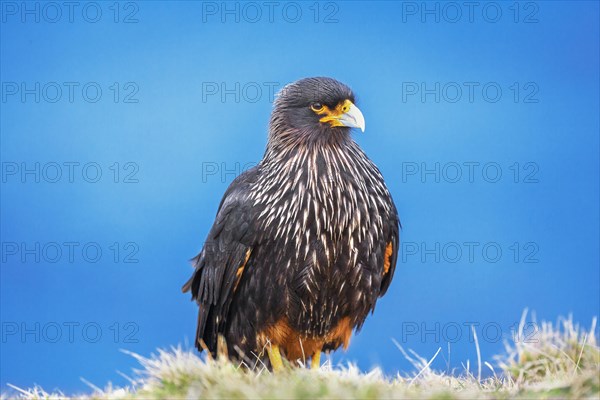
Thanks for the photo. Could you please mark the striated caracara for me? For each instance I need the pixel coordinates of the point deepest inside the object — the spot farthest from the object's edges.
(304, 243)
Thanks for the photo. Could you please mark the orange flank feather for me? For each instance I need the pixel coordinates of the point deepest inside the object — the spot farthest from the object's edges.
(387, 258)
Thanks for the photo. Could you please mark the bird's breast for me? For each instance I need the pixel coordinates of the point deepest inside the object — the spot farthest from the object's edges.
(320, 218)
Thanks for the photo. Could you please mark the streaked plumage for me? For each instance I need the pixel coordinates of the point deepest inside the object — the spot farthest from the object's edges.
(304, 243)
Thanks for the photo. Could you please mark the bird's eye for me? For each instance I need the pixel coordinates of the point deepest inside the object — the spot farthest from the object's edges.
(316, 107)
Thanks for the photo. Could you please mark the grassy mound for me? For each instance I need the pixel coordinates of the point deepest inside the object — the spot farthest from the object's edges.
(562, 362)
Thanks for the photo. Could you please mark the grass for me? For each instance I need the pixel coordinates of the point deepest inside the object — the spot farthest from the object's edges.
(560, 360)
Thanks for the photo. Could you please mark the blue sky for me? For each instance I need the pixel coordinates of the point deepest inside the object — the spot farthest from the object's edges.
(121, 128)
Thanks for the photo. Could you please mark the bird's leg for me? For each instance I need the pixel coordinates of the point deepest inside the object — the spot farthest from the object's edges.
(275, 357)
(315, 362)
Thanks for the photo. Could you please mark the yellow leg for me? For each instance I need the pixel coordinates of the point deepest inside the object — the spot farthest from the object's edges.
(315, 362)
(275, 358)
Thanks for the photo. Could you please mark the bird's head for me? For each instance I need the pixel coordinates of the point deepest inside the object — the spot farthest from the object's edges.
(315, 108)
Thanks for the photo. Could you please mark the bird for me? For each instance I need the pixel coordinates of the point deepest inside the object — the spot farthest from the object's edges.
(304, 243)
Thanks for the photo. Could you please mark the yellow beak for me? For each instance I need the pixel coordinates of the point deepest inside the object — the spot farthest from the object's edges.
(344, 114)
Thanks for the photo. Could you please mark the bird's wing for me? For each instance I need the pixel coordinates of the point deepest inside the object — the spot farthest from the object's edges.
(392, 240)
(221, 262)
